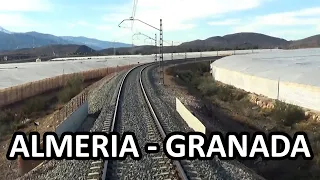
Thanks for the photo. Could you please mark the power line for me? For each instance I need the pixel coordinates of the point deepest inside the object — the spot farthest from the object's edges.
(134, 9)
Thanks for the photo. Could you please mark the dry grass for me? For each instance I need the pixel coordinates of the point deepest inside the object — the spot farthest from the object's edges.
(73, 87)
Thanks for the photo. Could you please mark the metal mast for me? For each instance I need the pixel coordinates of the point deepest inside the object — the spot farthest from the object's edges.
(155, 43)
(172, 51)
(161, 73)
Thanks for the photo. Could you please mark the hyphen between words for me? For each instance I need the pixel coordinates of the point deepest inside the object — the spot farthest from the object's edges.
(178, 145)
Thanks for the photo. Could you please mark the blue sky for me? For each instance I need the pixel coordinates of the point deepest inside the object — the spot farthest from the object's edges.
(183, 20)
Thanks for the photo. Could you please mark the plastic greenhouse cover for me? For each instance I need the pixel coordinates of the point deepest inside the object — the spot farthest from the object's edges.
(297, 66)
(20, 73)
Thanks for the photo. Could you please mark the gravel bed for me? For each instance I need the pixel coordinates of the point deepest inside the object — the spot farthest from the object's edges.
(210, 169)
(78, 169)
(133, 114)
(100, 95)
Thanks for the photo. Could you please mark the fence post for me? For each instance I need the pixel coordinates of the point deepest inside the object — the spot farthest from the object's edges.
(66, 111)
(278, 88)
(59, 114)
(55, 119)
(78, 101)
(73, 108)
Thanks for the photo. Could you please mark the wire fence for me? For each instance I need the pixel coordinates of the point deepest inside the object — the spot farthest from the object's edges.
(21, 92)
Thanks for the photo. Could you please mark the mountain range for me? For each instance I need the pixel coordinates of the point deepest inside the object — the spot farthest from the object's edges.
(237, 41)
(20, 45)
(12, 41)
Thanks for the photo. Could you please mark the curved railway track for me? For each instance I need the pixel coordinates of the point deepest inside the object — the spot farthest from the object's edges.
(158, 165)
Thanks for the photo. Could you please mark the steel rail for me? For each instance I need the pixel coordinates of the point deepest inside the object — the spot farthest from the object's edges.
(98, 169)
(179, 168)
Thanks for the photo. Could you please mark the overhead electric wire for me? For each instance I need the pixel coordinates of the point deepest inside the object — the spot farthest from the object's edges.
(134, 9)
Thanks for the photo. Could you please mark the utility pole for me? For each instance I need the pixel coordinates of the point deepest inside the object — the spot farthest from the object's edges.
(172, 51)
(114, 48)
(161, 54)
(156, 55)
(161, 43)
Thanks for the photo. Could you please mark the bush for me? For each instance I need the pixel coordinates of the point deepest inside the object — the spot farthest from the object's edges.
(239, 95)
(207, 88)
(287, 114)
(34, 104)
(186, 76)
(203, 67)
(225, 93)
(71, 89)
(8, 121)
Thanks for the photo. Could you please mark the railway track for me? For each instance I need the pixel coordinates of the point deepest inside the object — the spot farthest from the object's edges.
(133, 111)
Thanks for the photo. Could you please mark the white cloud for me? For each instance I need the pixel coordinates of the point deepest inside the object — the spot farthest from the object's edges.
(83, 23)
(224, 22)
(103, 27)
(24, 5)
(12, 17)
(309, 17)
(177, 14)
(15, 20)
(79, 23)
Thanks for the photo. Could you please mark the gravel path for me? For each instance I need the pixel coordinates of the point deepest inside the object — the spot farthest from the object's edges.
(213, 169)
(76, 169)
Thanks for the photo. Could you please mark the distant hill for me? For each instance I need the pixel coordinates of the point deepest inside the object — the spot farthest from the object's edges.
(47, 52)
(95, 43)
(12, 41)
(4, 30)
(309, 42)
(227, 42)
(237, 41)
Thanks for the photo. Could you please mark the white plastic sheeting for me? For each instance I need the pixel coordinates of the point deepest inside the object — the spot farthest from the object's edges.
(20, 73)
(292, 76)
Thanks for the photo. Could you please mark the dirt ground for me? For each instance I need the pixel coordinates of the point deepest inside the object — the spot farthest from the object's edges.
(239, 116)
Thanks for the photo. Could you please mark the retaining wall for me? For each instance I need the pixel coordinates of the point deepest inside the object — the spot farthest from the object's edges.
(189, 118)
(71, 124)
(74, 121)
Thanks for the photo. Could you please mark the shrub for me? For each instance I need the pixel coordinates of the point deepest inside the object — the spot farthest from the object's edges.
(186, 76)
(225, 93)
(203, 67)
(207, 88)
(8, 121)
(34, 104)
(71, 89)
(238, 95)
(287, 114)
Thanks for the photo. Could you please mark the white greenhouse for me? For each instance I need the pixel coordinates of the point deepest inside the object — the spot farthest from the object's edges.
(292, 76)
(19, 73)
